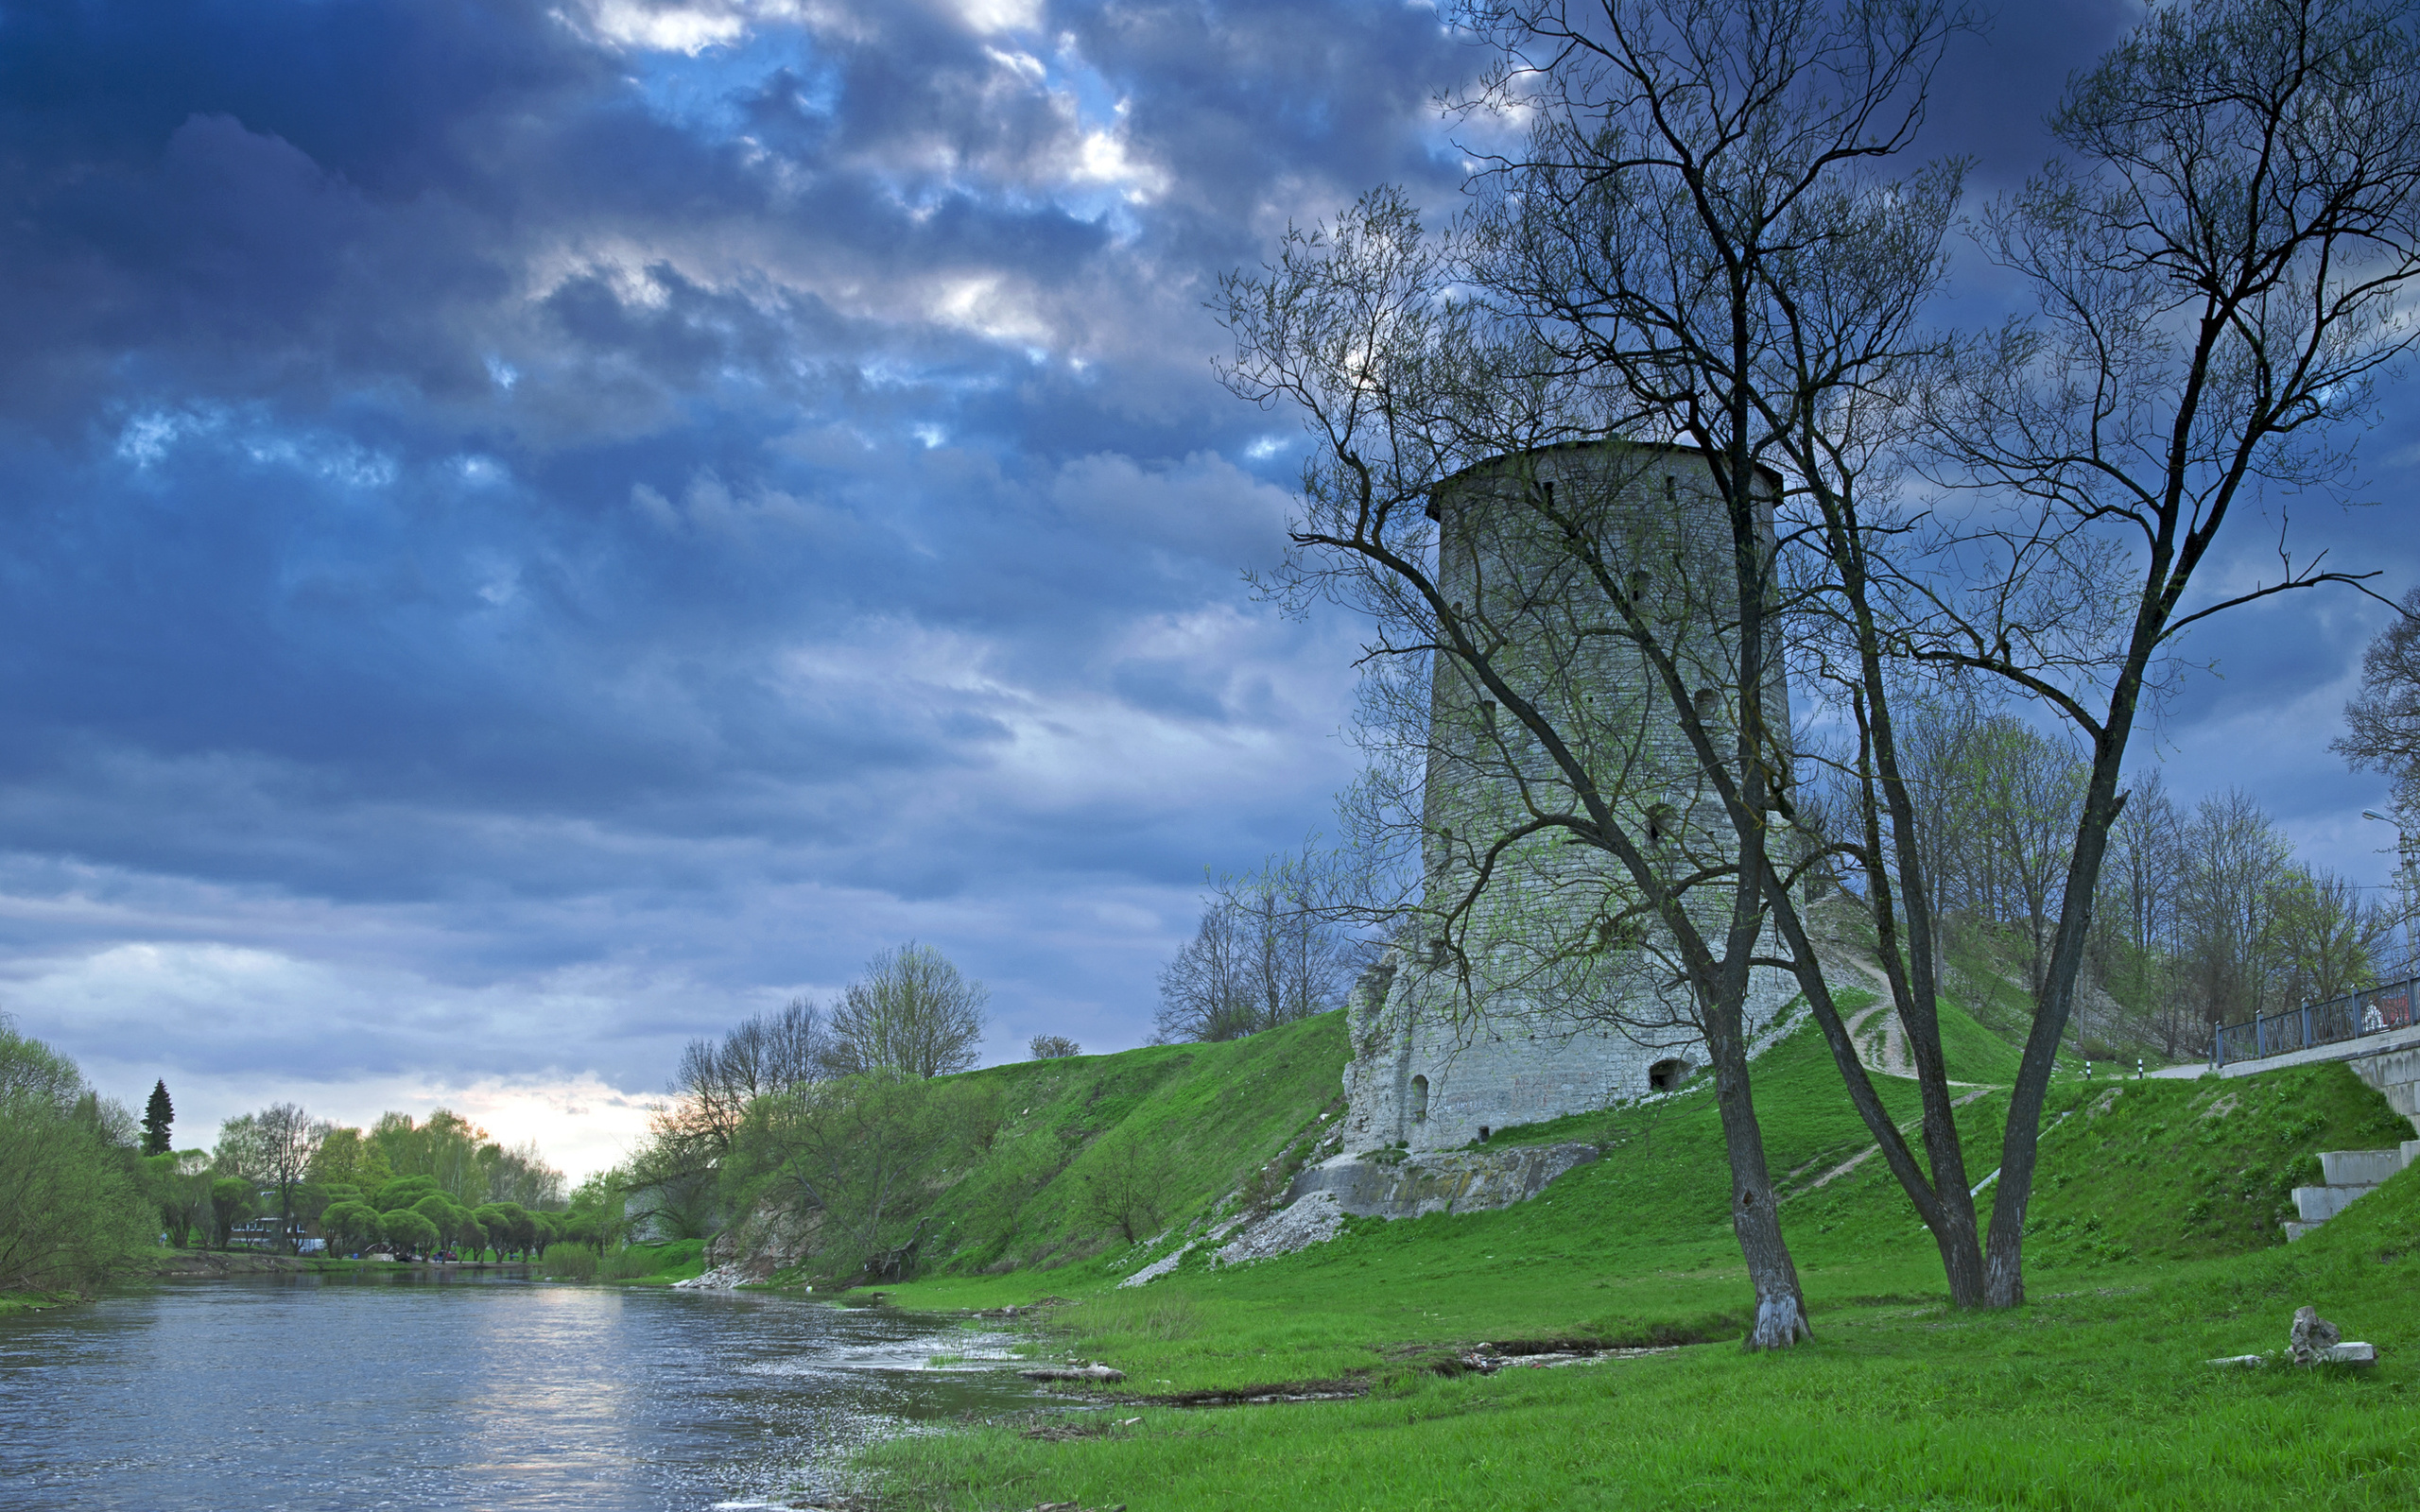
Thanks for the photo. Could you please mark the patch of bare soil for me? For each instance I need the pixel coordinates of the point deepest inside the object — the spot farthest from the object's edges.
(208, 1264)
(1246, 1396)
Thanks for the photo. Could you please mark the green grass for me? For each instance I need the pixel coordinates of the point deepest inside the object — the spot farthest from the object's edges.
(2085, 1401)
(15, 1302)
(2192, 1169)
(653, 1264)
(2153, 1245)
(1208, 1120)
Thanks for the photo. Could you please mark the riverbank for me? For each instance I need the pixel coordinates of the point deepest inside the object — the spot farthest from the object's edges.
(15, 1302)
(2094, 1397)
(2153, 1248)
(204, 1264)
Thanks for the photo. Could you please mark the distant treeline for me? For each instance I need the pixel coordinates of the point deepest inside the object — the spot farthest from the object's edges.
(2202, 915)
(87, 1190)
(278, 1178)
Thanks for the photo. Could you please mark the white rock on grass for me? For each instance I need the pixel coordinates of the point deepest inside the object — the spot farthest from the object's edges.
(720, 1278)
(1312, 1219)
(1169, 1261)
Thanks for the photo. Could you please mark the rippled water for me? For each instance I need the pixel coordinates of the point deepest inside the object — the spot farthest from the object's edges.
(398, 1392)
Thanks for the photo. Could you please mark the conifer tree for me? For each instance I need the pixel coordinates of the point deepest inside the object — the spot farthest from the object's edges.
(157, 1115)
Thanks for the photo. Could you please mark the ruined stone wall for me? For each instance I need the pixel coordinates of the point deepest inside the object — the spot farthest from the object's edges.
(1568, 1005)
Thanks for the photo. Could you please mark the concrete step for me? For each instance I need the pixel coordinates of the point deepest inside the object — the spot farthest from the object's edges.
(2349, 1175)
(2359, 1168)
(2319, 1203)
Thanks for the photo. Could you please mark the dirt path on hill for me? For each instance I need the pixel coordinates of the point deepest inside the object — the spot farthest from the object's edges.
(1881, 1048)
(1885, 1051)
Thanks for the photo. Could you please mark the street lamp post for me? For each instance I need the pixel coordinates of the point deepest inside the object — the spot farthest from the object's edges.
(2408, 881)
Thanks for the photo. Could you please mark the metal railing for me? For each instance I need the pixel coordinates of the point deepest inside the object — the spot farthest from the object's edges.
(2372, 1010)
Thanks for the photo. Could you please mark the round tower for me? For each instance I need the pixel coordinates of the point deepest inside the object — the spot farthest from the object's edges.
(1535, 982)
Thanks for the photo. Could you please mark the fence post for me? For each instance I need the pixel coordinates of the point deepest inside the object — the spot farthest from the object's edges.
(2305, 1027)
(2259, 1039)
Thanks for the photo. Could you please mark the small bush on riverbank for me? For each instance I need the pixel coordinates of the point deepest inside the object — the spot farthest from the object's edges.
(654, 1265)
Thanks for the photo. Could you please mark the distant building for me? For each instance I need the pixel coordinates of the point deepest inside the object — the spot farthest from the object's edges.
(262, 1233)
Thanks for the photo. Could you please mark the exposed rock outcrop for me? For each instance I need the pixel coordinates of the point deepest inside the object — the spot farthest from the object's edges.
(1390, 1184)
(769, 1238)
(1408, 1184)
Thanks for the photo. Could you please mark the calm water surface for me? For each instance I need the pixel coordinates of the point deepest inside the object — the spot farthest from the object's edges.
(403, 1393)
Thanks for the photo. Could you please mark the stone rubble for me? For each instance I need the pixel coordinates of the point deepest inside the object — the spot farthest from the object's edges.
(1312, 1219)
(2313, 1340)
(1169, 1261)
(720, 1278)
(2312, 1337)
(1095, 1372)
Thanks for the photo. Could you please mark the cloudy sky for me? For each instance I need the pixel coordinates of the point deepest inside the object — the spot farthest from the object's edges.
(536, 530)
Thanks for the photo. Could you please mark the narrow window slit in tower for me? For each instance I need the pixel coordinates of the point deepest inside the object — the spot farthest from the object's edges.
(1661, 821)
(1487, 713)
(1420, 1099)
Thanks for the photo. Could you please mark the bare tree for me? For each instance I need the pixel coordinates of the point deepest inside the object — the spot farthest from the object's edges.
(718, 1079)
(1125, 1184)
(2383, 721)
(1053, 1047)
(519, 1174)
(1269, 951)
(2324, 938)
(2037, 786)
(2235, 864)
(1204, 988)
(1704, 225)
(285, 1139)
(2219, 259)
(912, 1012)
(2139, 904)
(1688, 165)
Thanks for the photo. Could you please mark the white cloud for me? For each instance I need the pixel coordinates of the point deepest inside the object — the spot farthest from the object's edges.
(681, 28)
(988, 305)
(987, 17)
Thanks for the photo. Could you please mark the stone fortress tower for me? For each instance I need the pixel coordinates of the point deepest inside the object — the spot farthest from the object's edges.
(1549, 991)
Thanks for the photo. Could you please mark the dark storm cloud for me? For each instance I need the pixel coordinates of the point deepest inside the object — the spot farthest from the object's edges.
(535, 530)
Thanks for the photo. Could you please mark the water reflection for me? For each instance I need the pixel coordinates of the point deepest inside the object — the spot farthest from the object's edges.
(401, 1392)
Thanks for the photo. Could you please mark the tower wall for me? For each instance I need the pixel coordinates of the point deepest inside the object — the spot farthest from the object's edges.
(1568, 1005)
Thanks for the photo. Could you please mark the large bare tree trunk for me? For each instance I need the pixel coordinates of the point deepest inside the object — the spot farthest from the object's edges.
(2020, 1147)
(1755, 1218)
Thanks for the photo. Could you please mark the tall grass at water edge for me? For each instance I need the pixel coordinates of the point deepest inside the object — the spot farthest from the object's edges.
(644, 1263)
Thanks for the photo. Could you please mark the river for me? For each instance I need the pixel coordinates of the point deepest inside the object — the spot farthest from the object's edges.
(401, 1392)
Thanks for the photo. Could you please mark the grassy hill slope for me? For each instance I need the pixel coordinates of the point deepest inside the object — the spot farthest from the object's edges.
(2155, 1248)
(1188, 1124)
(1638, 1245)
